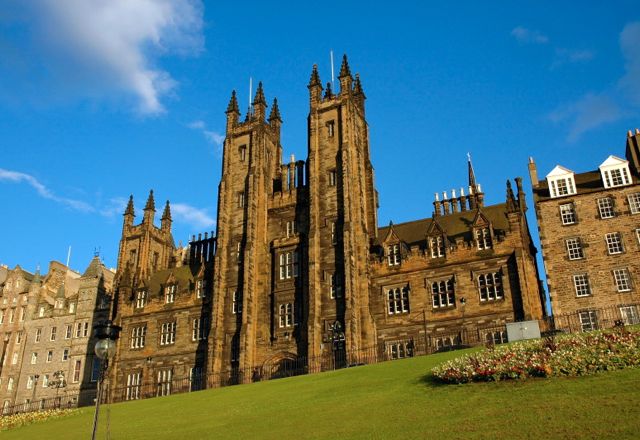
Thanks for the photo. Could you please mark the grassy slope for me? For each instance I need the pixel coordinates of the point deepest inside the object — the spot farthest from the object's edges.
(384, 401)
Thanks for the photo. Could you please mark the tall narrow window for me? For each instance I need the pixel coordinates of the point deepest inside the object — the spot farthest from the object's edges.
(568, 214)
(201, 286)
(199, 329)
(164, 382)
(335, 287)
(141, 299)
(334, 236)
(393, 255)
(85, 329)
(331, 128)
(52, 336)
(240, 199)
(490, 286)
(236, 306)
(443, 294)
(333, 178)
(77, 368)
(605, 207)
(38, 335)
(574, 249)
(169, 294)
(288, 266)
(581, 284)
(154, 261)
(291, 228)
(243, 153)
(67, 331)
(622, 280)
(22, 313)
(483, 238)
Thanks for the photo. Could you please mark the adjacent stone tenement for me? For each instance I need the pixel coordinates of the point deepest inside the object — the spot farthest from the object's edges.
(46, 323)
(590, 235)
(299, 270)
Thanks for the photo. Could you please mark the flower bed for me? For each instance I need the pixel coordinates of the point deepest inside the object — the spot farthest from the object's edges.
(569, 355)
(21, 419)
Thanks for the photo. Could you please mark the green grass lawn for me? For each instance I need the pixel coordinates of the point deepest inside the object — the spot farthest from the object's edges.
(392, 400)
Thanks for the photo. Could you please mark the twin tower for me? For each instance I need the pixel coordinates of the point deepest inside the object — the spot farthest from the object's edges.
(287, 274)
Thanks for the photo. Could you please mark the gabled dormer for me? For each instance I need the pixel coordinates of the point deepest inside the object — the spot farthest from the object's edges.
(437, 242)
(561, 181)
(615, 172)
(393, 247)
(170, 289)
(482, 231)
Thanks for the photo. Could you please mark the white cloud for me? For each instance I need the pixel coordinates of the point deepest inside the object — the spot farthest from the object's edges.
(98, 47)
(524, 35)
(623, 100)
(196, 217)
(42, 190)
(115, 206)
(566, 56)
(213, 137)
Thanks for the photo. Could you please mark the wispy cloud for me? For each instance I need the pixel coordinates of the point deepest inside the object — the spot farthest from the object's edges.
(197, 217)
(565, 56)
(594, 110)
(42, 190)
(213, 137)
(529, 36)
(97, 47)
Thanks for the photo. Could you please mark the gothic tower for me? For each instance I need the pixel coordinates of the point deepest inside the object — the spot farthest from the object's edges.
(342, 215)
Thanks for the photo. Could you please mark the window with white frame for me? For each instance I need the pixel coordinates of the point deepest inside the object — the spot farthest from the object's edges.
(199, 329)
(138, 336)
(38, 335)
(22, 313)
(164, 382)
(201, 286)
(444, 342)
(490, 286)
(615, 172)
(561, 182)
(236, 302)
(622, 279)
(34, 358)
(581, 284)
(14, 359)
(443, 293)
(67, 331)
(141, 299)
(72, 307)
(41, 312)
(568, 214)
(630, 315)
(168, 333)
(49, 356)
(333, 177)
(240, 199)
(288, 265)
(334, 236)
(52, 335)
(398, 300)
(78, 329)
(496, 337)
(243, 152)
(574, 248)
(436, 245)
(10, 384)
(45, 381)
(12, 314)
(605, 207)
(77, 369)
(285, 315)
(291, 228)
(614, 243)
(330, 128)
(30, 381)
(169, 294)
(483, 238)
(393, 254)
(65, 354)
(588, 320)
(2, 316)
(85, 329)
(19, 337)
(400, 349)
(634, 203)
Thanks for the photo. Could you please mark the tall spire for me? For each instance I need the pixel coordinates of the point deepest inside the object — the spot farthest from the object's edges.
(315, 77)
(167, 212)
(344, 69)
(357, 86)
(129, 210)
(472, 175)
(151, 204)
(259, 98)
(275, 112)
(511, 198)
(233, 104)
(129, 214)
(259, 103)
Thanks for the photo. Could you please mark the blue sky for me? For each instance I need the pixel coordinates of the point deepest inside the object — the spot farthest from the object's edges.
(102, 99)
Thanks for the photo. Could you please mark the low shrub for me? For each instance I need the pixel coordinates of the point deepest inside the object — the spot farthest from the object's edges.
(26, 418)
(567, 355)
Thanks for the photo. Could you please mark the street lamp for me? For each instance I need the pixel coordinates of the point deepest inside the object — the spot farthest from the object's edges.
(105, 349)
(338, 339)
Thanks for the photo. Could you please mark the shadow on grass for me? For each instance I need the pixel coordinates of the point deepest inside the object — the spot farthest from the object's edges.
(432, 382)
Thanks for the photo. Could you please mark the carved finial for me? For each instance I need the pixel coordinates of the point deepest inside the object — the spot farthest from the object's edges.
(315, 77)
(166, 215)
(259, 98)
(328, 93)
(344, 69)
(357, 86)
(233, 104)
(151, 204)
(275, 112)
(129, 210)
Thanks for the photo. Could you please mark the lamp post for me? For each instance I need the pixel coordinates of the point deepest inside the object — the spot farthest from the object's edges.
(338, 340)
(105, 349)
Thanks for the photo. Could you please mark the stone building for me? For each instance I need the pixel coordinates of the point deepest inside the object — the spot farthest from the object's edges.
(299, 271)
(590, 234)
(49, 358)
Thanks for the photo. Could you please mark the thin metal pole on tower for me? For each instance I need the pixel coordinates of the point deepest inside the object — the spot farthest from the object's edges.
(332, 75)
(68, 256)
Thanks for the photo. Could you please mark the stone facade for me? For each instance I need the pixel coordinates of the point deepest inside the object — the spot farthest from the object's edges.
(50, 340)
(590, 234)
(299, 270)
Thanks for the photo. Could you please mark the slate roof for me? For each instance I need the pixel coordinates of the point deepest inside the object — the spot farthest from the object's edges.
(184, 275)
(455, 225)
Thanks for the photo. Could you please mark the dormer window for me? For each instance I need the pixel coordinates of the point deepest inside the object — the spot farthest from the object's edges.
(141, 299)
(436, 245)
(615, 172)
(59, 303)
(169, 294)
(41, 312)
(483, 238)
(393, 255)
(72, 307)
(561, 182)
